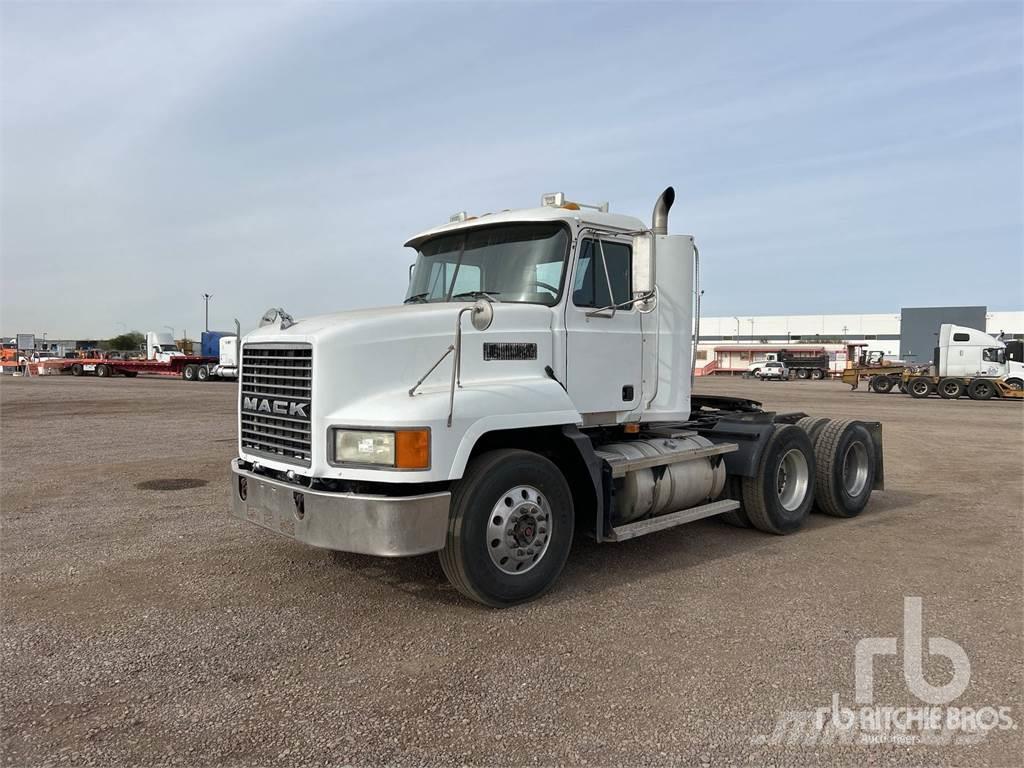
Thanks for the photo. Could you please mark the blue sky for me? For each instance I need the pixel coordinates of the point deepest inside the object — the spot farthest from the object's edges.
(829, 157)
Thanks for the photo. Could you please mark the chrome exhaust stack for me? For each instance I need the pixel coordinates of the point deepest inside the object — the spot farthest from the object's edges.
(659, 219)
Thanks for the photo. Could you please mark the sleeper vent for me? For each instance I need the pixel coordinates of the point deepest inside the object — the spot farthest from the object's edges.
(510, 350)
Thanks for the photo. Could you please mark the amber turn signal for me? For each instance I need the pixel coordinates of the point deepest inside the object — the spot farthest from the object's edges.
(412, 449)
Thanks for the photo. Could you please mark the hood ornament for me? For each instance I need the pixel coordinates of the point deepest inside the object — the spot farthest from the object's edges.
(275, 314)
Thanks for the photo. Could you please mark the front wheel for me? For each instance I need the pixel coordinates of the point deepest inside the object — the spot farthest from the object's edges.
(510, 528)
(1015, 383)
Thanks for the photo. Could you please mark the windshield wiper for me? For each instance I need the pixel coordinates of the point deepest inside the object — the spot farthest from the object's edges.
(417, 298)
(489, 295)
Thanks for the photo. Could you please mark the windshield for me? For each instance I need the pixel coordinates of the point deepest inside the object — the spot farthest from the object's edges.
(168, 347)
(518, 262)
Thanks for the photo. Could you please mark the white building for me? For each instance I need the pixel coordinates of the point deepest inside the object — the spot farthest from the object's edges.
(729, 344)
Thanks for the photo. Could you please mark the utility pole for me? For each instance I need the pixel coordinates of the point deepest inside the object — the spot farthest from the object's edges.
(206, 298)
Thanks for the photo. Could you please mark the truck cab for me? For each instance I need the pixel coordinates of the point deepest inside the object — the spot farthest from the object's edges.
(535, 379)
(161, 346)
(967, 352)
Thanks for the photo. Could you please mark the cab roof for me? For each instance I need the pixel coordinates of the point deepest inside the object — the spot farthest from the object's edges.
(575, 218)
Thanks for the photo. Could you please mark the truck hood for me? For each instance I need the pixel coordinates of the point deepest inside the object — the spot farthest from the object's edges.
(381, 324)
(380, 354)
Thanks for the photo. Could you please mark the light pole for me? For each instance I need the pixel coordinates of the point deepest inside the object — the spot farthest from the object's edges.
(206, 298)
(737, 327)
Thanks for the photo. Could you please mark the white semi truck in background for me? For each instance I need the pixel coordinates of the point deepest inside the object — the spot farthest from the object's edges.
(535, 383)
(969, 362)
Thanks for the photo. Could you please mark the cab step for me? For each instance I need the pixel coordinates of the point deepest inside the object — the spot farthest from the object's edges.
(671, 520)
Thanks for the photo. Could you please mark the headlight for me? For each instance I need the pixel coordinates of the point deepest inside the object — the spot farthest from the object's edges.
(402, 449)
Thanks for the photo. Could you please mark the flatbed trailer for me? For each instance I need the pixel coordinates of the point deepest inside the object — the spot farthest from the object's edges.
(103, 367)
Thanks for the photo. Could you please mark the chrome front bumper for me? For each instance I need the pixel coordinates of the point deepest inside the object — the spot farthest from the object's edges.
(390, 526)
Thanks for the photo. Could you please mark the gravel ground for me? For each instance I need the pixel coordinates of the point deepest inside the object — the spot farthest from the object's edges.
(149, 627)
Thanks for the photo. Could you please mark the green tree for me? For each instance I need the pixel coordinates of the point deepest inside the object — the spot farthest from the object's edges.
(130, 342)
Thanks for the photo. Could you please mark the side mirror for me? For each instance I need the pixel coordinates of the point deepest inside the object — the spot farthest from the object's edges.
(644, 280)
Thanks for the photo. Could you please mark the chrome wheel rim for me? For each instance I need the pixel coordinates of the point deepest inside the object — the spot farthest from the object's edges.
(792, 479)
(951, 388)
(919, 387)
(855, 469)
(519, 530)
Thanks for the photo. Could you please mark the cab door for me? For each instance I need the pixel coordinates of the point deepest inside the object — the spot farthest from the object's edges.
(603, 346)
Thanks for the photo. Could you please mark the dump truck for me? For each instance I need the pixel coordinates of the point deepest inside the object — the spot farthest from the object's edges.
(534, 384)
(799, 364)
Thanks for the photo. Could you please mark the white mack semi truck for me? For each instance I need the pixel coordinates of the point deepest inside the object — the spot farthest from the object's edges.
(534, 385)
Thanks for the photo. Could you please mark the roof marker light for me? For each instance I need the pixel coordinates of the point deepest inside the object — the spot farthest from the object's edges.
(557, 200)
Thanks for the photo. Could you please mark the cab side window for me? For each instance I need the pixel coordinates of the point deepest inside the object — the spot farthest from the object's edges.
(591, 286)
(993, 355)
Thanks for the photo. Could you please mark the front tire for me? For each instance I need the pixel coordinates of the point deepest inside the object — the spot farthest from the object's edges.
(510, 528)
(779, 498)
(1015, 383)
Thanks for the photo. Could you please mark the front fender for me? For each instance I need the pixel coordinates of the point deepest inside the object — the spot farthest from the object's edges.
(480, 407)
(540, 403)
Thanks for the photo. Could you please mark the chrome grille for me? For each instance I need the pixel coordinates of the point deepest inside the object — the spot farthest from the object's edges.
(276, 401)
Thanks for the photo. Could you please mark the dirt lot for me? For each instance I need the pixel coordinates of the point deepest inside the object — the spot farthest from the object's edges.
(149, 627)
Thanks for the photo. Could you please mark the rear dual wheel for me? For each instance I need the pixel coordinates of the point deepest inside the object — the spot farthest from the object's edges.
(510, 528)
(779, 497)
(103, 371)
(190, 373)
(950, 389)
(881, 384)
(981, 389)
(845, 476)
(920, 387)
